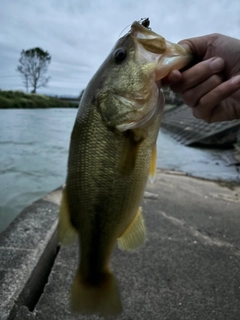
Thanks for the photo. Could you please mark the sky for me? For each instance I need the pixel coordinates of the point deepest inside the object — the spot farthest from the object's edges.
(79, 34)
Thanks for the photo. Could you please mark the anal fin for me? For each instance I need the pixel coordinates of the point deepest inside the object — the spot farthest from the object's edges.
(134, 235)
(67, 234)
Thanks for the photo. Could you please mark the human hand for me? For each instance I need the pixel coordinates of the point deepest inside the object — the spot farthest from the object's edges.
(210, 87)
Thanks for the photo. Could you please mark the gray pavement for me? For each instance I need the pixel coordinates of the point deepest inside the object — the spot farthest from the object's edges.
(189, 267)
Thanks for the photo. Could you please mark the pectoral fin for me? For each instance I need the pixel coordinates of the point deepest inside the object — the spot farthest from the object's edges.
(134, 235)
(130, 151)
(67, 234)
(153, 164)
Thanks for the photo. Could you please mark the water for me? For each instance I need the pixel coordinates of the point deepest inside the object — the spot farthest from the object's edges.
(33, 157)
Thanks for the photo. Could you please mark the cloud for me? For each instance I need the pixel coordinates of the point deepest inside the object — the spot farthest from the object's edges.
(80, 34)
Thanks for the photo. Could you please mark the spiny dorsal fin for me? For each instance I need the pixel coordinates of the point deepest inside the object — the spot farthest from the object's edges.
(153, 164)
(67, 234)
(134, 235)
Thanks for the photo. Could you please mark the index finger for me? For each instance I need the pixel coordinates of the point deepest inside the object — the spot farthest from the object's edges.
(198, 73)
(209, 106)
(199, 45)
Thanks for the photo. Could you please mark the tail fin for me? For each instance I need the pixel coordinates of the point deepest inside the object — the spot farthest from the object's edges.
(102, 297)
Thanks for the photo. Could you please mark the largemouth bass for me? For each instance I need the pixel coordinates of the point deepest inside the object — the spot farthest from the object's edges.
(112, 154)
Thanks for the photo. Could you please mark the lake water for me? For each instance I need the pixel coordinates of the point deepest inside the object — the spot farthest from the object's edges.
(33, 157)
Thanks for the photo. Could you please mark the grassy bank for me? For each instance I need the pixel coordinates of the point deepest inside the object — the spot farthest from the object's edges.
(21, 100)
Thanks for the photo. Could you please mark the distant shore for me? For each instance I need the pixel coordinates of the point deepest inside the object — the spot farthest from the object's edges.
(21, 100)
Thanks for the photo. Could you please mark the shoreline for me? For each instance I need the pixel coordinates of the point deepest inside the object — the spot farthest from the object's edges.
(222, 182)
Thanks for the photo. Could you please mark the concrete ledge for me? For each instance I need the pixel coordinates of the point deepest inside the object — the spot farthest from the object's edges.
(27, 251)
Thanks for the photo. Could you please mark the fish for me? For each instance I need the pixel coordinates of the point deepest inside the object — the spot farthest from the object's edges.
(111, 156)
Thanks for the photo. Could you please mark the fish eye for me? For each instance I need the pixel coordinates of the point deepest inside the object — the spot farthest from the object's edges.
(120, 55)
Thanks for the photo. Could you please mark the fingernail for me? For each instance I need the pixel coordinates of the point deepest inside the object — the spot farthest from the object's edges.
(236, 80)
(217, 64)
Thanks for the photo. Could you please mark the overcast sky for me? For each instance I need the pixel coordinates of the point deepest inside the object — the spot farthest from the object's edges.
(79, 34)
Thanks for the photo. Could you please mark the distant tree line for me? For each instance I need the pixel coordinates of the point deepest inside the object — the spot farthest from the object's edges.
(21, 100)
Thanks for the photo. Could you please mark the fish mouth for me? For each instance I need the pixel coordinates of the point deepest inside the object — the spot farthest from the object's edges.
(153, 48)
(150, 40)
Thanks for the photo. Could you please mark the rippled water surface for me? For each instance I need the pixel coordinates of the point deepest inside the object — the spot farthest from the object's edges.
(33, 157)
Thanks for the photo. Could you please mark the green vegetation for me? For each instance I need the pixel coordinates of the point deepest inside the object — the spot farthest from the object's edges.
(21, 100)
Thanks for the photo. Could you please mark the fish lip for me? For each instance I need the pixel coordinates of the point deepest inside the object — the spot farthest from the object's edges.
(146, 38)
(153, 48)
(141, 32)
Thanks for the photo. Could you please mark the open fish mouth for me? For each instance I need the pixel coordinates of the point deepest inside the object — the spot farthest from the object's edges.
(153, 48)
(149, 39)
(161, 57)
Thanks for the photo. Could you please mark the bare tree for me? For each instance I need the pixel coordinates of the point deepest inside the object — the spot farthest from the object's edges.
(33, 66)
